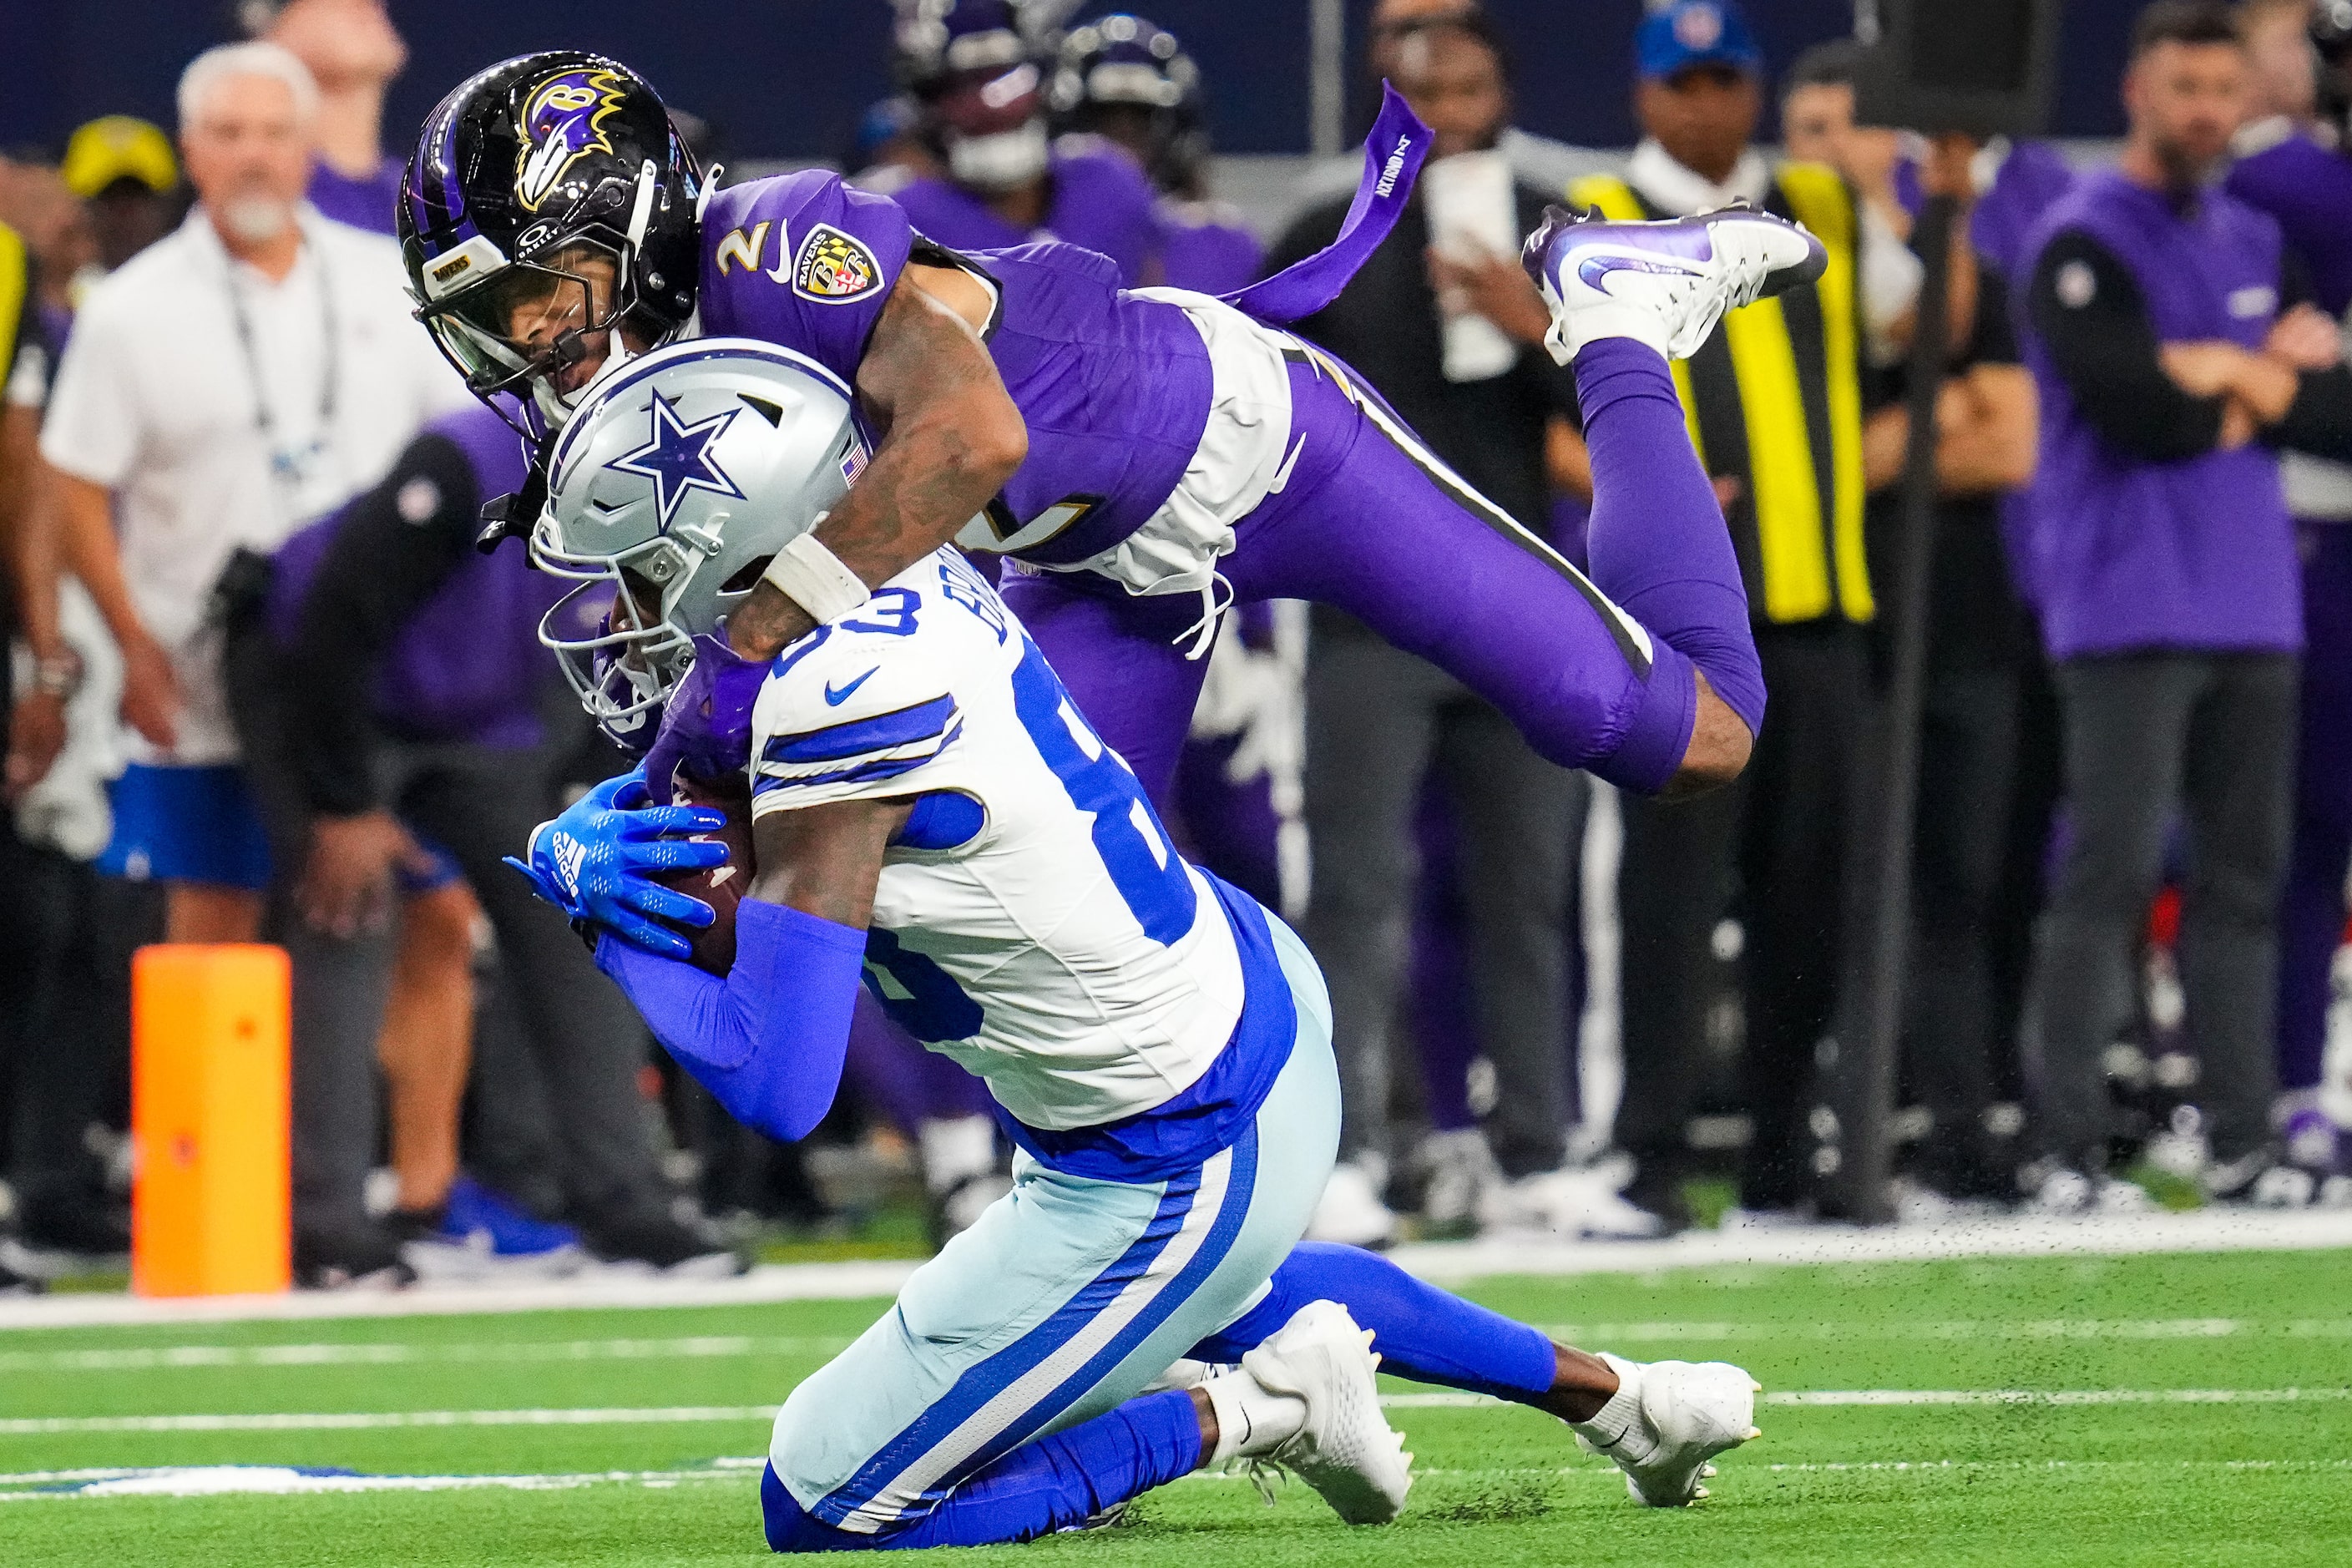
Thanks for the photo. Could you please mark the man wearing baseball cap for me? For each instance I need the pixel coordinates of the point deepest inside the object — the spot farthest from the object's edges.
(1775, 402)
(125, 171)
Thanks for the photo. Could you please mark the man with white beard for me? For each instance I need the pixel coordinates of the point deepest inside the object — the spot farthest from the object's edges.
(252, 370)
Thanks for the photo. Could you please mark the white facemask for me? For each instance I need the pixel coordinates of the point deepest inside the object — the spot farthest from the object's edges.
(1001, 162)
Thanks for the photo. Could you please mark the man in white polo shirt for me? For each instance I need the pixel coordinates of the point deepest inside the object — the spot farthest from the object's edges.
(242, 375)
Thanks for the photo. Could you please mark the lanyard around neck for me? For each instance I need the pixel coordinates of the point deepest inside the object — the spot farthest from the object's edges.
(285, 465)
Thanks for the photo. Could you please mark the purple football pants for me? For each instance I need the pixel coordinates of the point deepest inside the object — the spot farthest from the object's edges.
(1366, 526)
(2312, 912)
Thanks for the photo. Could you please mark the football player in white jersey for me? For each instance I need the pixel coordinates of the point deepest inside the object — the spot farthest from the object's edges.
(931, 814)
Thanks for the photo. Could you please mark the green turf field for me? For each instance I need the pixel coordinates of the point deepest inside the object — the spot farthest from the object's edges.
(634, 1416)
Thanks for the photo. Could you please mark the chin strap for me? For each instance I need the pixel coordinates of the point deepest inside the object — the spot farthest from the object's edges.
(513, 516)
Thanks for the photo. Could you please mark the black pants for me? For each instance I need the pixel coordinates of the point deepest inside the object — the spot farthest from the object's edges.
(1771, 846)
(2212, 734)
(65, 939)
(1378, 719)
(1968, 748)
(478, 803)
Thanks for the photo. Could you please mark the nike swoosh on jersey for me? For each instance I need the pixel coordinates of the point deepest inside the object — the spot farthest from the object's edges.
(835, 696)
(1282, 474)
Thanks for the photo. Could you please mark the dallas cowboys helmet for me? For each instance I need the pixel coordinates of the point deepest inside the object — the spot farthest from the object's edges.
(1130, 80)
(549, 200)
(674, 482)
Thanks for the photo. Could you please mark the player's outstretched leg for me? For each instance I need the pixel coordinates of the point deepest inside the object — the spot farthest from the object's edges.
(1662, 1422)
(1665, 284)
(1304, 1398)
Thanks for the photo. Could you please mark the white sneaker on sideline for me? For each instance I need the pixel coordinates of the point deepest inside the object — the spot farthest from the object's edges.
(1667, 1420)
(1346, 1451)
(2066, 1194)
(1579, 1204)
(1351, 1212)
(1462, 1172)
(1664, 284)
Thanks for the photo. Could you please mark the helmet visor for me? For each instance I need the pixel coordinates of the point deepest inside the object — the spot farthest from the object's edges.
(529, 318)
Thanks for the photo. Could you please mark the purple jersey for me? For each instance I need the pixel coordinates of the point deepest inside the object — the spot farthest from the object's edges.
(2031, 177)
(1205, 248)
(2309, 189)
(363, 204)
(1114, 388)
(1100, 200)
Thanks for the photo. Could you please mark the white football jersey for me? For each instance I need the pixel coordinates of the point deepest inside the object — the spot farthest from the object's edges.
(1035, 922)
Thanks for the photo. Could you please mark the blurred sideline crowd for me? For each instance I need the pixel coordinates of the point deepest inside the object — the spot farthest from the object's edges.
(261, 687)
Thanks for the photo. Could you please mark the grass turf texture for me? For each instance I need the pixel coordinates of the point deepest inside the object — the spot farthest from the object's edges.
(2243, 1483)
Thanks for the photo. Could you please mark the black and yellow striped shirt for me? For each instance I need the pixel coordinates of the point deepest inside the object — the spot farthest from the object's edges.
(1774, 400)
(18, 311)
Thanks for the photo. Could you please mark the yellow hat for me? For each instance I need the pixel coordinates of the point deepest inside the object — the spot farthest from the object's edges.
(119, 147)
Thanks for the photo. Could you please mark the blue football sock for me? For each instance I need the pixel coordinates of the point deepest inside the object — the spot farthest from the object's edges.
(1039, 1488)
(1421, 1332)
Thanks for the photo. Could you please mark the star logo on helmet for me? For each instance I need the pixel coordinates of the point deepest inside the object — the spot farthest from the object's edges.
(676, 458)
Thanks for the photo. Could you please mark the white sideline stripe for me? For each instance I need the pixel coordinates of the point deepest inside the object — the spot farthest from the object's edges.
(2056, 1396)
(61, 1425)
(217, 1480)
(699, 1347)
(1957, 1329)
(168, 1357)
(2006, 1235)
(2003, 1237)
(362, 1420)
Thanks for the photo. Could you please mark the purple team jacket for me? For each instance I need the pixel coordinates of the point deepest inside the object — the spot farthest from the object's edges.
(467, 667)
(2308, 189)
(2128, 554)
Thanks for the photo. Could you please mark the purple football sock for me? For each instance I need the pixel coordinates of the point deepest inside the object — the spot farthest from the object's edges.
(1657, 539)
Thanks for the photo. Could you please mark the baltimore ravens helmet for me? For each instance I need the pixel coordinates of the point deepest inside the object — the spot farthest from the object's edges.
(1130, 80)
(672, 487)
(550, 200)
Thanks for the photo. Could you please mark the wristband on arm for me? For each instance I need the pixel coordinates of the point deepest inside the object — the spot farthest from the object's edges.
(768, 1040)
(813, 577)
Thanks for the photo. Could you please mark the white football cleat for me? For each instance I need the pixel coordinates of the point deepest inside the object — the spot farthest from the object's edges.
(1667, 1420)
(1665, 284)
(1346, 1451)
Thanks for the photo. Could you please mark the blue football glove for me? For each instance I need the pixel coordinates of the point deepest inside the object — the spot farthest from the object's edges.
(591, 863)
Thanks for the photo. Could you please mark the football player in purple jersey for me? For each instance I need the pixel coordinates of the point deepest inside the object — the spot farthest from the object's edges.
(1130, 83)
(979, 72)
(1145, 457)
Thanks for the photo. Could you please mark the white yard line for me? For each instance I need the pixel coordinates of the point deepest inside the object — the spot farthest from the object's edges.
(2056, 1396)
(219, 1480)
(705, 1347)
(368, 1420)
(169, 1358)
(2008, 1236)
(1613, 1335)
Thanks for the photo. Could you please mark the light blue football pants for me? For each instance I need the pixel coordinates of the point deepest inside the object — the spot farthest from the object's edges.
(1066, 1299)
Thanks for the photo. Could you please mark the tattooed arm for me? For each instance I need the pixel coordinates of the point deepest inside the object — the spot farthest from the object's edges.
(950, 438)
